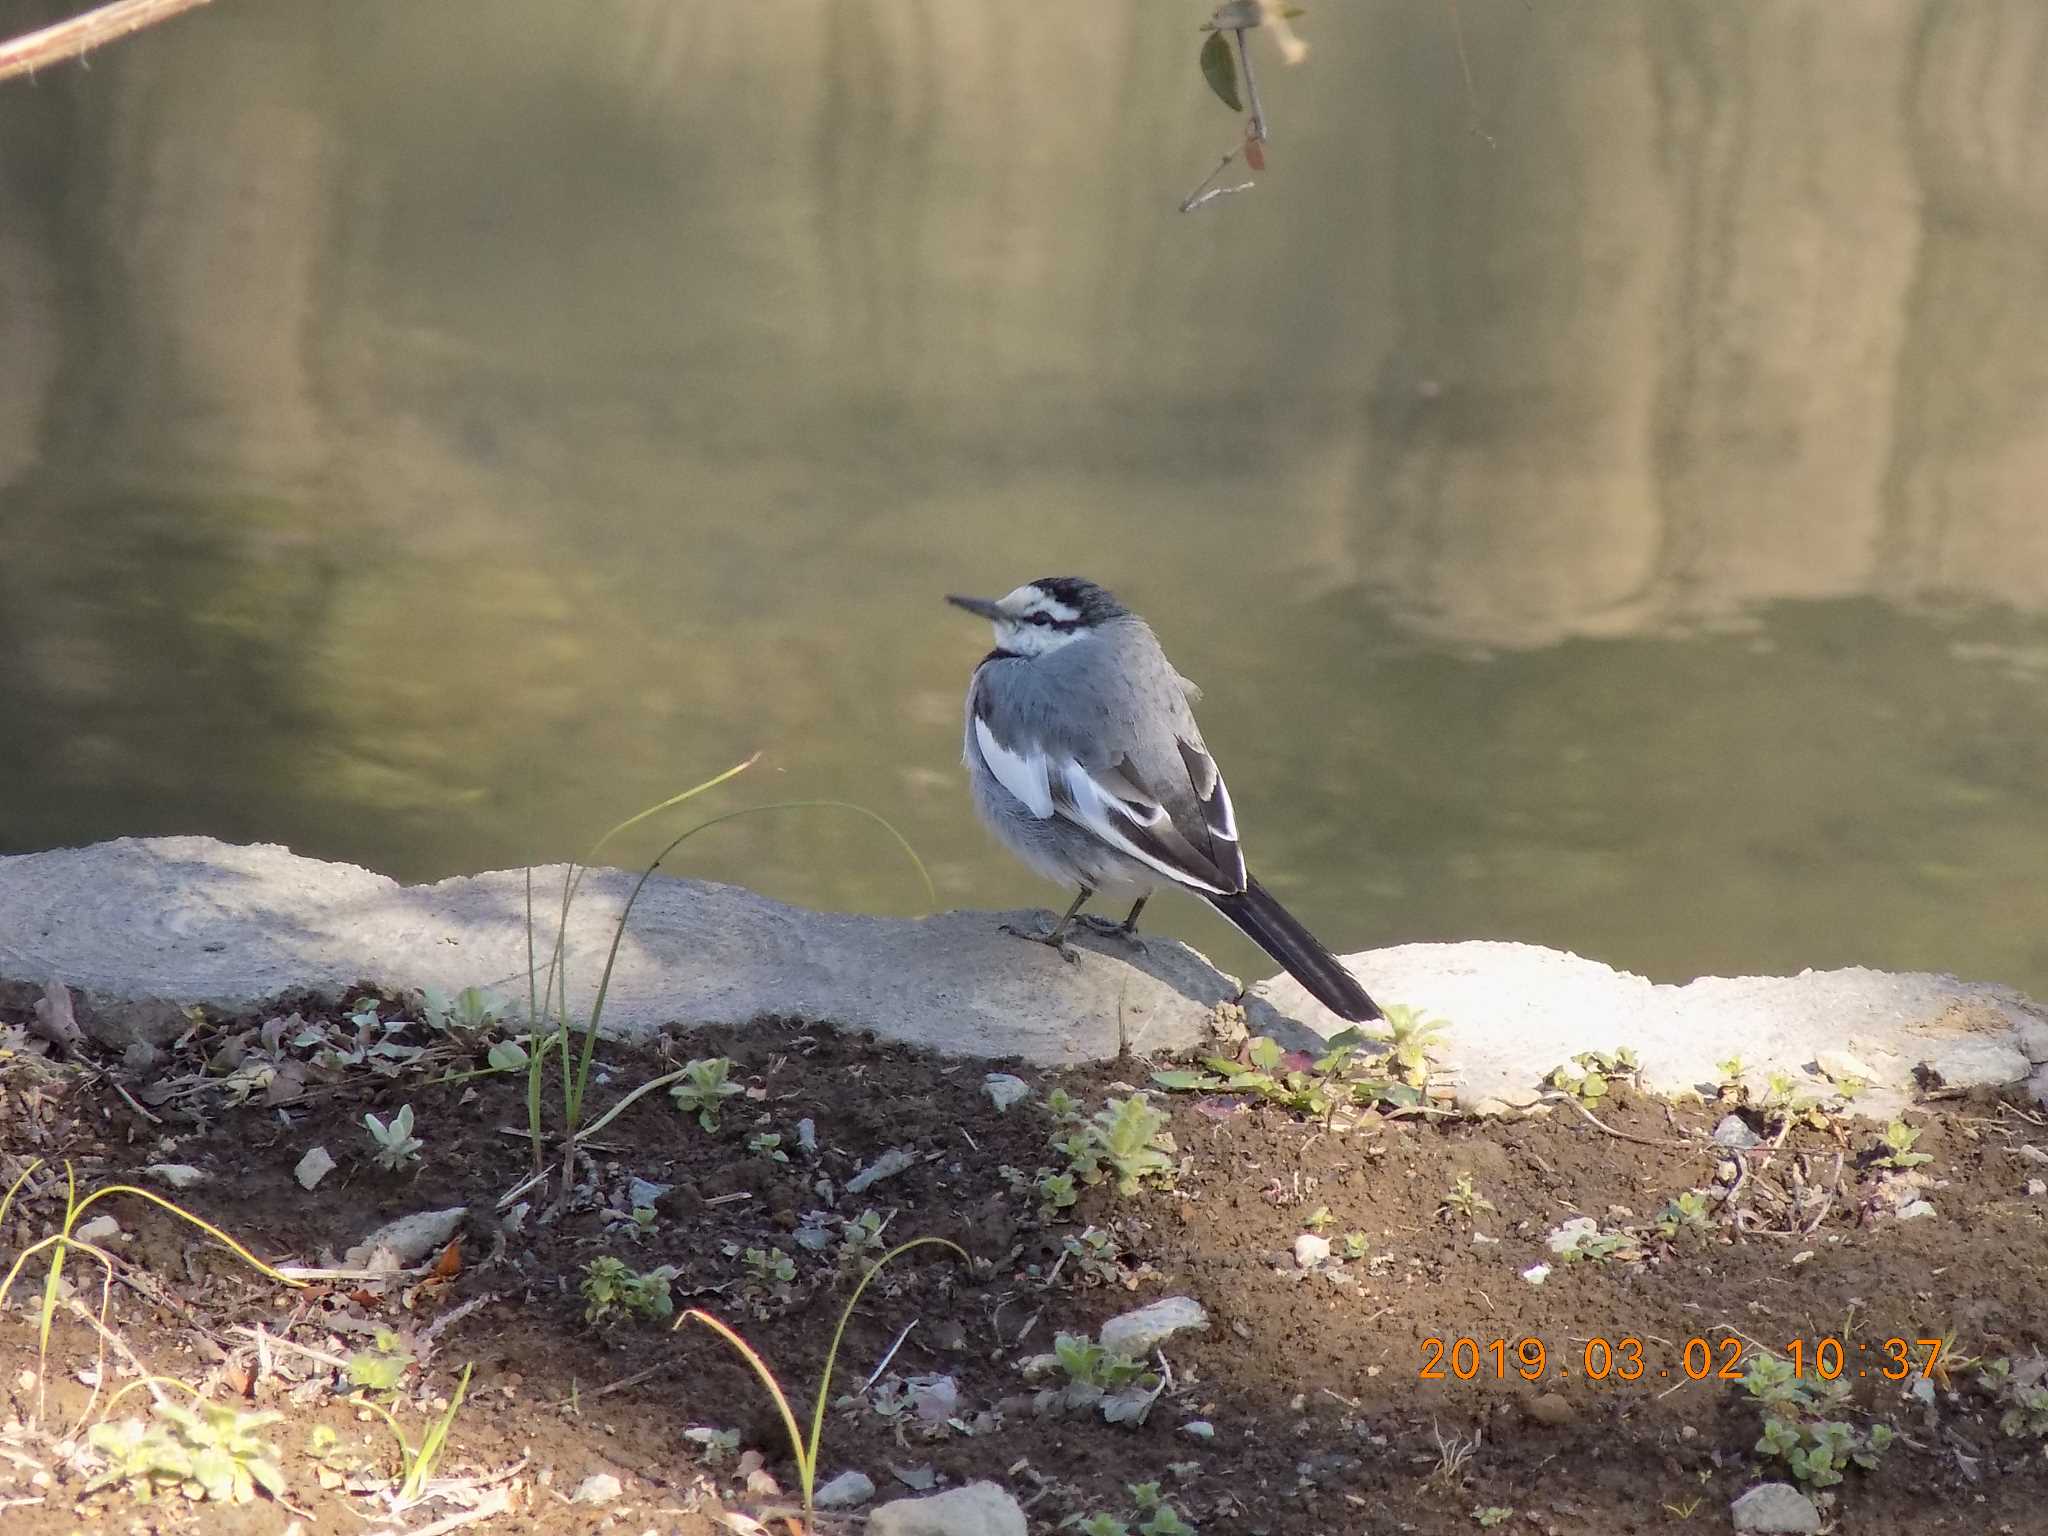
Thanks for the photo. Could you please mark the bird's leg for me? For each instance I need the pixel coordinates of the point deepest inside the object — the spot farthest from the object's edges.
(1127, 930)
(1058, 937)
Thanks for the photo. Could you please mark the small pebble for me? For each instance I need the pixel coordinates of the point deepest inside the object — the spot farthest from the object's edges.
(1551, 1408)
(176, 1175)
(100, 1229)
(1734, 1131)
(1311, 1249)
(849, 1488)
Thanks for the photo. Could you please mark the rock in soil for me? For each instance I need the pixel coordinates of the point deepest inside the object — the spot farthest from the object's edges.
(979, 1509)
(848, 1489)
(1138, 1333)
(1775, 1507)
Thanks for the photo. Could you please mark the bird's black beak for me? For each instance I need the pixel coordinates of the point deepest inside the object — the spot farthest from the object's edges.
(982, 606)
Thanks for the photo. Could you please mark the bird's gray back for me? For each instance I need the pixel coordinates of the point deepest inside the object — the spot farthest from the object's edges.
(1110, 694)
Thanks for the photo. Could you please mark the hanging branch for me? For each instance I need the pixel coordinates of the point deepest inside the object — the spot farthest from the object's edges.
(67, 40)
(1221, 68)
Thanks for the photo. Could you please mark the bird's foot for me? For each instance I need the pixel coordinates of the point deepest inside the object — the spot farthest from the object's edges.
(1110, 928)
(1055, 941)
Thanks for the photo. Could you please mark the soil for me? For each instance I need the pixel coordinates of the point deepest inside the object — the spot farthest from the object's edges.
(1317, 1384)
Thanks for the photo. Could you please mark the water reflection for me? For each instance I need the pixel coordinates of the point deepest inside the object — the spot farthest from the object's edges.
(428, 433)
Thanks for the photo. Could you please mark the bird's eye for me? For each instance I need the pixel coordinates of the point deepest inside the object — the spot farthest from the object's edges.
(1039, 618)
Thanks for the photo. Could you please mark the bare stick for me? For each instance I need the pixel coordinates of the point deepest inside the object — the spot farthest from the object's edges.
(73, 39)
(1251, 87)
(876, 1374)
(1205, 193)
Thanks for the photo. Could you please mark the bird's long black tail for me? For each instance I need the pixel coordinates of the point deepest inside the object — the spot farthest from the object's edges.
(1275, 930)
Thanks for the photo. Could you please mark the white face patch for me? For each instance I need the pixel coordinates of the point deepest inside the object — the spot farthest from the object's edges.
(1034, 622)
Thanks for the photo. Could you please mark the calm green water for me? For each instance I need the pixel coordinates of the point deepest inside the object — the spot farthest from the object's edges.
(1616, 520)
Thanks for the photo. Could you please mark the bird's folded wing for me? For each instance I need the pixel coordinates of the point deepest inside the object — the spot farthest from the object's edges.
(1197, 847)
(1024, 771)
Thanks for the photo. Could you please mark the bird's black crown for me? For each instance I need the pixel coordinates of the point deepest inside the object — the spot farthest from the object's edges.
(1092, 603)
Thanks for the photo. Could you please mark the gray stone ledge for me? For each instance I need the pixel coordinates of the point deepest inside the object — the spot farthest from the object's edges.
(138, 923)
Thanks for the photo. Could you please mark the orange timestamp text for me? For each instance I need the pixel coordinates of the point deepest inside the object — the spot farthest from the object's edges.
(1628, 1358)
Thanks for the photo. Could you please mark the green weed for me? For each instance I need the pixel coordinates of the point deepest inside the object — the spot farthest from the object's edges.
(209, 1451)
(805, 1452)
(703, 1084)
(1126, 1138)
(611, 1289)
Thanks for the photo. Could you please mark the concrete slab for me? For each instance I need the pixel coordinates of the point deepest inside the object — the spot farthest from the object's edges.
(141, 926)
(1515, 1011)
(193, 920)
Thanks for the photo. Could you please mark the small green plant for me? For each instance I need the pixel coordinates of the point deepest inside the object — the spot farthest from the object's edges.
(1591, 1074)
(470, 1011)
(1057, 1194)
(1355, 1072)
(2023, 1406)
(1597, 1246)
(396, 1145)
(860, 1242)
(381, 1367)
(1487, 1516)
(1414, 1038)
(612, 1289)
(1785, 1102)
(715, 1445)
(805, 1452)
(1150, 1515)
(1160, 1518)
(704, 1086)
(1898, 1148)
(416, 1462)
(1582, 1238)
(1127, 1138)
(1094, 1256)
(767, 1144)
(1685, 1213)
(1318, 1219)
(207, 1452)
(2028, 1415)
(1063, 1107)
(1123, 1389)
(768, 1271)
(1801, 1426)
(1464, 1201)
(1353, 1246)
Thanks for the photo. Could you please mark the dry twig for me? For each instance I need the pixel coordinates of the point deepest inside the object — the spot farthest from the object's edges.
(73, 39)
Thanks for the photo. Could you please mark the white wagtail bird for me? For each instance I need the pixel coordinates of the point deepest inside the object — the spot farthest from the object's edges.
(1084, 758)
